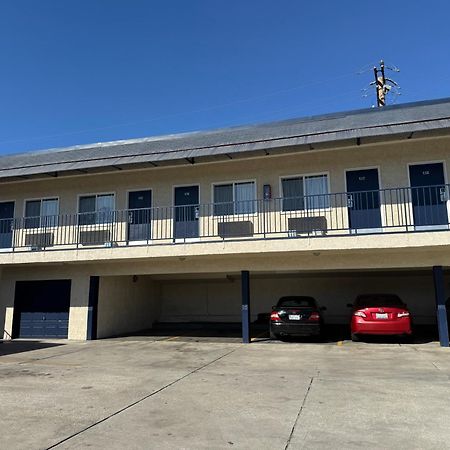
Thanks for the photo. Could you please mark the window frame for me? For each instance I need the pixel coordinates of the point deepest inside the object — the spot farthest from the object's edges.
(233, 183)
(304, 176)
(96, 195)
(40, 200)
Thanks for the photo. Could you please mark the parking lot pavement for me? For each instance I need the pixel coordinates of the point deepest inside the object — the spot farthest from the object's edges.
(164, 394)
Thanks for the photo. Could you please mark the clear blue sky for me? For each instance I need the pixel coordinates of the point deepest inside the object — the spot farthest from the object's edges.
(75, 72)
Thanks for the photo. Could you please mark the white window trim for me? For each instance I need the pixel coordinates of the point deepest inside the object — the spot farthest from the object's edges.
(233, 183)
(40, 199)
(304, 175)
(94, 194)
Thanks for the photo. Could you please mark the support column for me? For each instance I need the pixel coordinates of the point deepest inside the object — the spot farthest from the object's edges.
(79, 307)
(94, 283)
(245, 282)
(441, 310)
(7, 293)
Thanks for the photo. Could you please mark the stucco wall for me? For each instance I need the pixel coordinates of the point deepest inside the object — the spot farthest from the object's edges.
(219, 300)
(126, 304)
(391, 158)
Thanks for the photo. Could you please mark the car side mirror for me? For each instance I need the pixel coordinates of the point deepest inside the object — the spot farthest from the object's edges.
(349, 305)
(323, 308)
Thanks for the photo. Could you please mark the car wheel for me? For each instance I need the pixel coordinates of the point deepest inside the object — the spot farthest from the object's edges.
(355, 337)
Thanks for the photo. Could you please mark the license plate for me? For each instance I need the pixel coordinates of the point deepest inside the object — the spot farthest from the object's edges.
(295, 316)
(381, 316)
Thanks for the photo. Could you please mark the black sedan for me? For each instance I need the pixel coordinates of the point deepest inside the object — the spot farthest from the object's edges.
(296, 316)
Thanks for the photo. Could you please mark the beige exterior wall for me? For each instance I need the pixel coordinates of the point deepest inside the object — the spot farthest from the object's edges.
(219, 300)
(126, 304)
(122, 301)
(79, 300)
(391, 159)
(7, 288)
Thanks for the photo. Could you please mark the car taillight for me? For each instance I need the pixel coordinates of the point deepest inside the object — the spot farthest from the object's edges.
(359, 314)
(403, 314)
(314, 316)
(274, 317)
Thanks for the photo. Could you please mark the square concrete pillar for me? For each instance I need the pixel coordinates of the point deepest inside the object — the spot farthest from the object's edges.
(79, 307)
(7, 292)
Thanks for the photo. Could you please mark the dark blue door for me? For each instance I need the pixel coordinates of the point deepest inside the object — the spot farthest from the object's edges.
(139, 215)
(186, 212)
(41, 309)
(6, 224)
(428, 194)
(363, 199)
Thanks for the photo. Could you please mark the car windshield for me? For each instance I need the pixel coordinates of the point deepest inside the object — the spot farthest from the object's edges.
(374, 300)
(297, 302)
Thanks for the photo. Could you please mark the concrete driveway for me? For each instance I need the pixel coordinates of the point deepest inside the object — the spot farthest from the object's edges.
(173, 393)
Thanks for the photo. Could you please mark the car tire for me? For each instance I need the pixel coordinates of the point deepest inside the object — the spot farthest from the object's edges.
(355, 337)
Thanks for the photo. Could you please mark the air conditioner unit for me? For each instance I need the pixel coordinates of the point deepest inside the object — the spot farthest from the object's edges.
(236, 229)
(316, 225)
(38, 241)
(95, 237)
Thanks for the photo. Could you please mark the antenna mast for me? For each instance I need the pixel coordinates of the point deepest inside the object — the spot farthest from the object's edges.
(382, 83)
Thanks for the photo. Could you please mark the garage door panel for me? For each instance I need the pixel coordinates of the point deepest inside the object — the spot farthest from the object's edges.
(42, 309)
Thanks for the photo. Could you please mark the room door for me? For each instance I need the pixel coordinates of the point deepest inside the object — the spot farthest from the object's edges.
(428, 194)
(6, 224)
(363, 199)
(186, 223)
(139, 215)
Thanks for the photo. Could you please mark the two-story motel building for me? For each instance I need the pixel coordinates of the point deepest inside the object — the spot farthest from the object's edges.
(106, 239)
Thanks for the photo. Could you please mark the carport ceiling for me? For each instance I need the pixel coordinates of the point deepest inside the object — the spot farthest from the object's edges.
(232, 276)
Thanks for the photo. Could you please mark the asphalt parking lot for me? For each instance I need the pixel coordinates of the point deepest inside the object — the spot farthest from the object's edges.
(175, 392)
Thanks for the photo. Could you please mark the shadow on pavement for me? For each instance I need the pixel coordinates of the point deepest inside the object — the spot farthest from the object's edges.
(232, 332)
(11, 347)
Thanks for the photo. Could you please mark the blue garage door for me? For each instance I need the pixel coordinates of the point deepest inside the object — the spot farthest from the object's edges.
(41, 309)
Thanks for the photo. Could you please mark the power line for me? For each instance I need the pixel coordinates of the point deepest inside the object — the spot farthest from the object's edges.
(195, 111)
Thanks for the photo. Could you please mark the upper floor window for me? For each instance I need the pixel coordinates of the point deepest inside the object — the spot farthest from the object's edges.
(234, 198)
(41, 213)
(305, 192)
(96, 208)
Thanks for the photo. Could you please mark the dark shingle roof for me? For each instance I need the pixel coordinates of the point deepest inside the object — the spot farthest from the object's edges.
(229, 142)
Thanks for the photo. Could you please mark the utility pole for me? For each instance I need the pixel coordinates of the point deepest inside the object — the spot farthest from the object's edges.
(381, 83)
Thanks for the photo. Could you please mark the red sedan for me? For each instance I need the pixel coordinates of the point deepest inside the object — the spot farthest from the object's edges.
(380, 314)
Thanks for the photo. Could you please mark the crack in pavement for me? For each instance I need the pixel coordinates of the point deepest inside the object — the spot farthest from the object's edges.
(115, 413)
(288, 443)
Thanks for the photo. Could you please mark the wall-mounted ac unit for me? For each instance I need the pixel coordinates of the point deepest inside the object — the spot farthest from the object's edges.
(38, 241)
(95, 237)
(307, 225)
(242, 228)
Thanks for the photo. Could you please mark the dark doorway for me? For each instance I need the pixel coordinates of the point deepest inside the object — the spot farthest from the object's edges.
(139, 215)
(428, 194)
(41, 309)
(363, 199)
(6, 224)
(186, 212)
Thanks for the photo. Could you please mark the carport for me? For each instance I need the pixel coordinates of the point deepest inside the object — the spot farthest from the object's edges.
(424, 291)
(238, 303)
